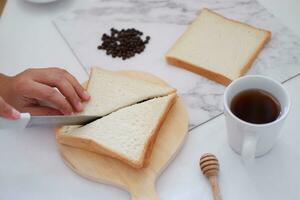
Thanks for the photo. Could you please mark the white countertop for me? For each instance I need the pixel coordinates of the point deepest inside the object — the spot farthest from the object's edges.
(31, 167)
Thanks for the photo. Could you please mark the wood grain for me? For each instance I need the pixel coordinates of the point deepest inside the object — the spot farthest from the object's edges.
(139, 182)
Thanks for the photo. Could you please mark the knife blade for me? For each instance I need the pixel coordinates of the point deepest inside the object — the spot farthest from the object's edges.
(26, 120)
(61, 120)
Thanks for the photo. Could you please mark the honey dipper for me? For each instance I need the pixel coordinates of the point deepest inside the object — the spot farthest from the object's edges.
(210, 167)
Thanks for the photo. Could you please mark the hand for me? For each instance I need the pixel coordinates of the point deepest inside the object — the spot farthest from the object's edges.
(7, 110)
(47, 91)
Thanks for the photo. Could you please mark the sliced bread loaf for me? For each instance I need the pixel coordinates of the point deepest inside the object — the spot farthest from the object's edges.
(111, 91)
(218, 48)
(127, 134)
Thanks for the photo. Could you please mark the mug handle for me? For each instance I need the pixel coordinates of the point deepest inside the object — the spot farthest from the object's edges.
(249, 147)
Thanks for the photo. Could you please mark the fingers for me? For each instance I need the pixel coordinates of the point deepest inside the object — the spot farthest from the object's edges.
(66, 84)
(69, 92)
(41, 110)
(51, 95)
(78, 87)
(8, 111)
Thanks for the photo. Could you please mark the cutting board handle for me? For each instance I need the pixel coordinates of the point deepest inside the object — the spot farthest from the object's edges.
(144, 191)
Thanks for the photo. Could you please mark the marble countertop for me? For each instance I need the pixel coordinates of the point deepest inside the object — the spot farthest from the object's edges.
(165, 21)
(31, 167)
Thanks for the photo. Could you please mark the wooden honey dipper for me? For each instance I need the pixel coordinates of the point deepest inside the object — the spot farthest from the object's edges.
(210, 167)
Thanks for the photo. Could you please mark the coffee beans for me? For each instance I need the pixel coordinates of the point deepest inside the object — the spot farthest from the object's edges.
(125, 43)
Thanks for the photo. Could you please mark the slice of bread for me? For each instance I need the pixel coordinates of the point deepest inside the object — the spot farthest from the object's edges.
(127, 134)
(218, 48)
(111, 91)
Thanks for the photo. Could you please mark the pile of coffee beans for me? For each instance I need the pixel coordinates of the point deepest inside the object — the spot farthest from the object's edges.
(124, 43)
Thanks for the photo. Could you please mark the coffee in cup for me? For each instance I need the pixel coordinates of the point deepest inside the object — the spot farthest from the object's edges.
(255, 108)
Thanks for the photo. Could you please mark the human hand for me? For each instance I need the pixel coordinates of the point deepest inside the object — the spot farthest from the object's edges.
(7, 110)
(33, 89)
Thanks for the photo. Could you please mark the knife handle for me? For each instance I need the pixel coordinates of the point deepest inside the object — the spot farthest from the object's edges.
(15, 124)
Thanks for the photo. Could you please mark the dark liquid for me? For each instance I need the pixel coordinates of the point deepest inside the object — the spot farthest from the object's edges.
(255, 106)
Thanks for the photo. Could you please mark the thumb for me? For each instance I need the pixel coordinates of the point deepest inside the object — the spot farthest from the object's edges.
(7, 111)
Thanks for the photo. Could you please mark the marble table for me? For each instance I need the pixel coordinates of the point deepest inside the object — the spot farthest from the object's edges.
(31, 167)
(165, 21)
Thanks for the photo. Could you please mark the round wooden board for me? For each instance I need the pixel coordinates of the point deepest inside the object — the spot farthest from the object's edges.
(139, 182)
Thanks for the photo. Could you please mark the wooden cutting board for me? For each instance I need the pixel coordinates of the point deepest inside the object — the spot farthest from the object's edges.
(139, 182)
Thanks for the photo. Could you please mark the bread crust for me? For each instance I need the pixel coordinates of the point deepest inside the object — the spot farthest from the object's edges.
(222, 79)
(88, 81)
(199, 70)
(90, 145)
(146, 156)
(236, 21)
(255, 53)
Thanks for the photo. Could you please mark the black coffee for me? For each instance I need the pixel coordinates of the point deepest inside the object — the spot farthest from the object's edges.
(255, 106)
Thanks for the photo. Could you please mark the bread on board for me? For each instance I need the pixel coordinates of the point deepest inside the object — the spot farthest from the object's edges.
(111, 91)
(127, 134)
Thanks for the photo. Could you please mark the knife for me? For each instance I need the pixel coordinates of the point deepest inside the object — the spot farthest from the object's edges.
(27, 120)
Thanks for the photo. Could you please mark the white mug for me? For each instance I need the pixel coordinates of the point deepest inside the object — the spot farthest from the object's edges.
(249, 139)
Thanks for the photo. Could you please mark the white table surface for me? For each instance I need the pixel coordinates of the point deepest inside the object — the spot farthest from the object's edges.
(31, 167)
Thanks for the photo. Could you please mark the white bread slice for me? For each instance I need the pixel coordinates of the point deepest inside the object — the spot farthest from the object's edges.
(127, 134)
(111, 91)
(218, 48)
